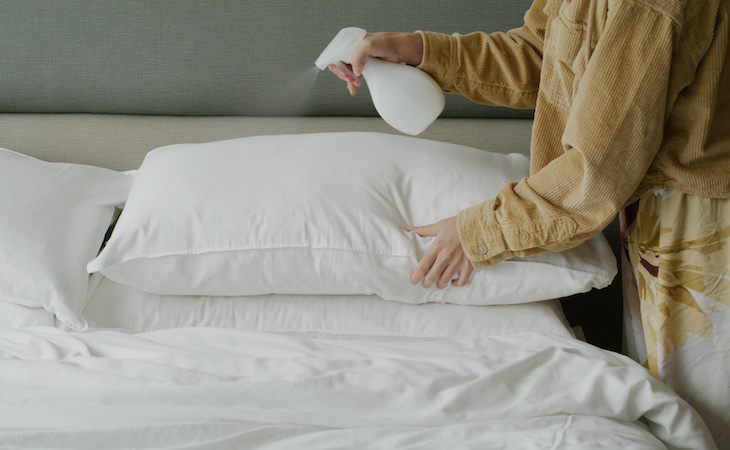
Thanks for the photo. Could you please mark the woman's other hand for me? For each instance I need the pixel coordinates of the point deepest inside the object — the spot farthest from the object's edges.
(444, 258)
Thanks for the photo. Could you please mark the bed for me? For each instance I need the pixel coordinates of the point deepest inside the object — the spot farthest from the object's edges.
(203, 245)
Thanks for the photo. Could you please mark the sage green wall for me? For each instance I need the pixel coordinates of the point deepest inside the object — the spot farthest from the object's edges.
(194, 57)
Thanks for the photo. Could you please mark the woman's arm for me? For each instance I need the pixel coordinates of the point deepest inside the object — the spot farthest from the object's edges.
(497, 68)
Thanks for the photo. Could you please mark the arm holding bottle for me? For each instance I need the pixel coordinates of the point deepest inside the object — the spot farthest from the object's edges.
(389, 46)
(445, 261)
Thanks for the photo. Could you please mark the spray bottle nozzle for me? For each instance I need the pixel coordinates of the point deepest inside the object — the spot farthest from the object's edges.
(404, 96)
(341, 48)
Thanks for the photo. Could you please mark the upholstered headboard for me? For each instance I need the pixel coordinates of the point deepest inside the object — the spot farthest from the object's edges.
(208, 57)
(102, 82)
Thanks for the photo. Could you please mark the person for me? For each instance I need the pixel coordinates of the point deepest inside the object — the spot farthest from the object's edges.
(631, 104)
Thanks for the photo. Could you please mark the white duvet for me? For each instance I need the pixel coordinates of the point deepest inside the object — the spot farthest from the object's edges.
(214, 388)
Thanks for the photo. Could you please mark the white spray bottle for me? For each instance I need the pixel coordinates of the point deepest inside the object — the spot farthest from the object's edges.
(405, 97)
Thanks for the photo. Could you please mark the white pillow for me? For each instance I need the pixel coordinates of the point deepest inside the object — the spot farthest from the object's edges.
(54, 217)
(321, 214)
(123, 308)
(13, 315)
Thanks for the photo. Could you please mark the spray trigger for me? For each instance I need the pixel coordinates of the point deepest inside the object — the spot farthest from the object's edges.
(346, 69)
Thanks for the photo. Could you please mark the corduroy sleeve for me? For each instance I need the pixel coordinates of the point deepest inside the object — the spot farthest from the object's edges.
(614, 129)
(496, 69)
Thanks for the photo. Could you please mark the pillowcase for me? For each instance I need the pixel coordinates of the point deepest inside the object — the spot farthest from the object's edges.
(13, 315)
(322, 214)
(123, 308)
(53, 223)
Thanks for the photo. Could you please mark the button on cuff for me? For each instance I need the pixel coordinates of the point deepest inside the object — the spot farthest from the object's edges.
(482, 249)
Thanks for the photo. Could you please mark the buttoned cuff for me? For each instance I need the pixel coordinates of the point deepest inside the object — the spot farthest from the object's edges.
(481, 236)
(488, 239)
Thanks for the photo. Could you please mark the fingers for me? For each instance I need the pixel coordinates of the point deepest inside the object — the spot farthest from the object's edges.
(423, 268)
(447, 275)
(393, 47)
(438, 266)
(441, 272)
(444, 260)
(426, 230)
(345, 74)
(361, 55)
(464, 273)
(352, 88)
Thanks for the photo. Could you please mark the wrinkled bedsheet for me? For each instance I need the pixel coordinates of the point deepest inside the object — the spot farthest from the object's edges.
(195, 388)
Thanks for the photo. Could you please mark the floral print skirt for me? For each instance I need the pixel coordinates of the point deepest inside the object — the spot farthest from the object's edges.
(676, 282)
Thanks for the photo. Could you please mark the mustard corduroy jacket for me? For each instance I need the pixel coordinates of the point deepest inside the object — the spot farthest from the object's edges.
(629, 96)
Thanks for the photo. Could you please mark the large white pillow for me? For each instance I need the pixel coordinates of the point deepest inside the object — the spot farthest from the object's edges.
(13, 315)
(123, 308)
(54, 217)
(322, 214)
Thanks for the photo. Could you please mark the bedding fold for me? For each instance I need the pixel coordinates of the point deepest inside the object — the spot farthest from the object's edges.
(219, 388)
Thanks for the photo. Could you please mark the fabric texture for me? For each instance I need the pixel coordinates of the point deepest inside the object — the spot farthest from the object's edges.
(13, 315)
(123, 308)
(120, 142)
(210, 388)
(54, 218)
(208, 58)
(629, 96)
(677, 287)
(322, 213)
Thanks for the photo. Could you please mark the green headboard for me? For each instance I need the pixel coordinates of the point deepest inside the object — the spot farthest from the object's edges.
(205, 57)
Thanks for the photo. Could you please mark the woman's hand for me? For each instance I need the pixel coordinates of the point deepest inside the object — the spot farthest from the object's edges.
(346, 75)
(444, 258)
(393, 47)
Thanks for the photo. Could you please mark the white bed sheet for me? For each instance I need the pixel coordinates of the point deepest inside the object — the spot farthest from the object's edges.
(119, 307)
(196, 388)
